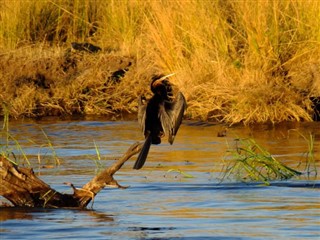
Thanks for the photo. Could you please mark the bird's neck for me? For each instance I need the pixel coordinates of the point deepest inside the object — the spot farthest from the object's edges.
(158, 98)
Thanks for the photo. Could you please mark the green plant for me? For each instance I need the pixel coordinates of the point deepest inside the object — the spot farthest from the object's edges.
(310, 162)
(248, 161)
(10, 148)
(54, 154)
(5, 126)
(97, 160)
(7, 148)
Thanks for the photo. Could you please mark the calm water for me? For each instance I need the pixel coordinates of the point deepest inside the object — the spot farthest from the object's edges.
(161, 203)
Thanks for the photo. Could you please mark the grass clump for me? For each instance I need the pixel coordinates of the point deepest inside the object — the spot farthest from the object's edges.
(236, 61)
(250, 162)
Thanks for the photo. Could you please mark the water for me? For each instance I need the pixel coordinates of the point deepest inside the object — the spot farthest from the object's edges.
(162, 203)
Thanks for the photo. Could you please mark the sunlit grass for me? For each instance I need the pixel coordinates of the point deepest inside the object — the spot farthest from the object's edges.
(236, 61)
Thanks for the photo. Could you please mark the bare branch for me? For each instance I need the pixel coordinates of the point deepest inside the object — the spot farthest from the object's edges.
(22, 188)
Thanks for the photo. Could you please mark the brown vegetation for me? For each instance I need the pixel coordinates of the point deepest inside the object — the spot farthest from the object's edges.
(247, 61)
(54, 82)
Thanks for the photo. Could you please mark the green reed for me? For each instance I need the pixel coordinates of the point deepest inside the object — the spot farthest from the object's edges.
(310, 161)
(251, 162)
(10, 147)
(50, 146)
(7, 149)
(97, 160)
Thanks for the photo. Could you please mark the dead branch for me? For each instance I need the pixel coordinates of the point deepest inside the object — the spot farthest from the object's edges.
(24, 189)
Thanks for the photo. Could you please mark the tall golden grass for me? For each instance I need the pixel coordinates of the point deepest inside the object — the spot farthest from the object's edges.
(236, 61)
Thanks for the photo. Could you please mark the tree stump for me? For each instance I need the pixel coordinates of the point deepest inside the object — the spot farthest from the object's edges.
(23, 188)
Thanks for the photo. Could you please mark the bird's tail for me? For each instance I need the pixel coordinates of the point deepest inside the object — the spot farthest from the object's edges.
(143, 153)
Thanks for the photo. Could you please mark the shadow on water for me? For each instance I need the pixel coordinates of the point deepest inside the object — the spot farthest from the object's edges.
(161, 203)
(8, 213)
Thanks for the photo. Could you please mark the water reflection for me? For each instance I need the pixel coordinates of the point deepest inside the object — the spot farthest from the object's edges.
(160, 204)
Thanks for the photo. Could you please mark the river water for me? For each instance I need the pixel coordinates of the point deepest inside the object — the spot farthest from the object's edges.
(178, 194)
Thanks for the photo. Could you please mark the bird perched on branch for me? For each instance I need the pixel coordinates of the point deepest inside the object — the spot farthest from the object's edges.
(161, 115)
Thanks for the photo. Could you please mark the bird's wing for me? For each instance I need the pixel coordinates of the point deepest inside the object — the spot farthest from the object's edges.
(142, 112)
(171, 114)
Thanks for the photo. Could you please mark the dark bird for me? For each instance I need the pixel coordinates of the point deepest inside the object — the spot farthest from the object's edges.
(161, 115)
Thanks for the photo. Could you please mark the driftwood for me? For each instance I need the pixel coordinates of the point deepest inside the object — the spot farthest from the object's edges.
(22, 188)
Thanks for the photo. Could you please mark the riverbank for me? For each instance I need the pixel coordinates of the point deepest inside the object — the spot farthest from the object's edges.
(236, 62)
(65, 82)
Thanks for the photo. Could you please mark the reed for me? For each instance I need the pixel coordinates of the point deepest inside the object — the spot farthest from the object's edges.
(236, 61)
(309, 162)
(250, 162)
(97, 160)
(9, 145)
(53, 151)
(11, 149)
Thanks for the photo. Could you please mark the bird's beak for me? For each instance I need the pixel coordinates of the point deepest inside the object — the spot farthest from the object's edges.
(158, 82)
(166, 76)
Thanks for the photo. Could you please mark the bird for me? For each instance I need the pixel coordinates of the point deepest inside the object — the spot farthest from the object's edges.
(161, 115)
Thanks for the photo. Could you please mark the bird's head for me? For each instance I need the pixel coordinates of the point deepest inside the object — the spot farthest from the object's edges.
(159, 83)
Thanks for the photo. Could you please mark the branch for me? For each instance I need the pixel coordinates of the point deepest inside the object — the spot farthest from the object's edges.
(22, 188)
(105, 178)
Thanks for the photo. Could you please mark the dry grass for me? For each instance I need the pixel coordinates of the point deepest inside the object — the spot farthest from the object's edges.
(41, 83)
(236, 61)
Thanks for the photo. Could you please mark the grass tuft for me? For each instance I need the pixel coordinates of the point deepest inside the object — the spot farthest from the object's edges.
(249, 162)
